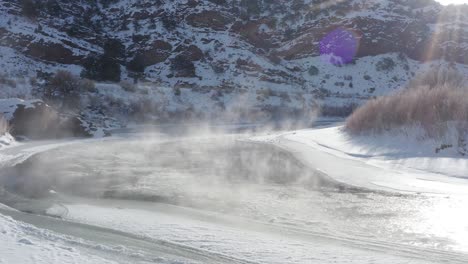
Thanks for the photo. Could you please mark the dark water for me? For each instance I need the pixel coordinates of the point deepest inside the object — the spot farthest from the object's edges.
(112, 169)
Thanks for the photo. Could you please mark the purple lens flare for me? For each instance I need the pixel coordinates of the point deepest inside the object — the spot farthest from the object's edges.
(339, 46)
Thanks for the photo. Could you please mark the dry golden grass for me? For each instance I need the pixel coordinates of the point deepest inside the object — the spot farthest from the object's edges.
(433, 101)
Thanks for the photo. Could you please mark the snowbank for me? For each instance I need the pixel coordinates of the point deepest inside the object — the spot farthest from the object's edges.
(393, 150)
(389, 161)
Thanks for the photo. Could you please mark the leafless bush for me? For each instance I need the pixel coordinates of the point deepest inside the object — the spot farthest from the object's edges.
(385, 64)
(64, 83)
(63, 89)
(430, 108)
(436, 106)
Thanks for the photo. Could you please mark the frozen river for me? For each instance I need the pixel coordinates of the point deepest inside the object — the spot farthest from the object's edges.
(156, 198)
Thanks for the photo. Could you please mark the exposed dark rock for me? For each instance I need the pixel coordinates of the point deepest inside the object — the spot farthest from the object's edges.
(209, 19)
(52, 52)
(181, 66)
(158, 52)
(191, 53)
(253, 33)
(40, 121)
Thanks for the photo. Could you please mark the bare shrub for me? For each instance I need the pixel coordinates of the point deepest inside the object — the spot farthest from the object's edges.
(63, 90)
(313, 71)
(436, 101)
(62, 83)
(432, 109)
(385, 64)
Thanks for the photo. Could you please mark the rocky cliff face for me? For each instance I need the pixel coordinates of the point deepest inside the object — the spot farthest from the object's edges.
(275, 53)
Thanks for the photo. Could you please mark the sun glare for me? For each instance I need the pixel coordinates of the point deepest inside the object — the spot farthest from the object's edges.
(453, 2)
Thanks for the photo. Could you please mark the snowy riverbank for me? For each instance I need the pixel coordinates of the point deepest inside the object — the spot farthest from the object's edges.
(387, 162)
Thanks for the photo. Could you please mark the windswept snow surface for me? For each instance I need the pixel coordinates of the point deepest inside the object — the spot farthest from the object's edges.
(23, 243)
(243, 241)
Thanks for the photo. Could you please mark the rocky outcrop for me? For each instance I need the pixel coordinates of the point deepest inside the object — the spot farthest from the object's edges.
(209, 19)
(289, 30)
(260, 33)
(37, 120)
(191, 53)
(155, 53)
(52, 52)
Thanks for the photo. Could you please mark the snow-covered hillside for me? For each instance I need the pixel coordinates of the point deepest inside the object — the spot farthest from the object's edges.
(202, 58)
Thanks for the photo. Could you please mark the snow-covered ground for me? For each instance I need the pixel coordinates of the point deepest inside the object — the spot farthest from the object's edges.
(241, 240)
(215, 199)
(24, 243)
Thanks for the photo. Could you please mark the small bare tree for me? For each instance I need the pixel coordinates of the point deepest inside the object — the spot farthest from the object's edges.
(65, 90)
